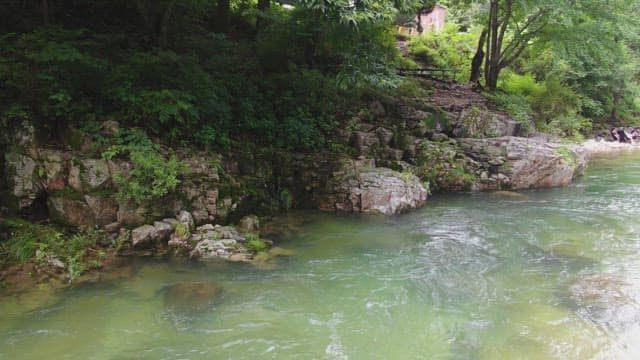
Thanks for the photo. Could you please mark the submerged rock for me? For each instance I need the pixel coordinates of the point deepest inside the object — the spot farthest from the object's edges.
(508, 195)
(606, 300)
(191, 297)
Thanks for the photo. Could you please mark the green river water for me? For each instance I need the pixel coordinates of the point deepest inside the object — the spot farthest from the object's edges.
(547, 274)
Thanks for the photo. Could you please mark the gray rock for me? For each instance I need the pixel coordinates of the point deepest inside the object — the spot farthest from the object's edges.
(110, 127)
(131, 214)
(178, 242)
(94, 174)
(523, 163)
(171, 221)
(50, 260)
(366, 142)
(372, 190)
(74, 179)
(23, 179)
(240, 257)
(377, 109)
(249, 224)
(205, 227)
(384, 135)
(439, 137)
(112, 228)
(210, 249)
(479, 122)
(161, 232)
(104, 210)
(228, 232)
(142, 235)
(72, 212)
(185, 218)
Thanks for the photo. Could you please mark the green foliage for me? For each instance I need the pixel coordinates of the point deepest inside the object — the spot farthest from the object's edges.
(553, 100)
(516, 84)
(554, 106)
(121, 241)
(286, 199)
(151, 177)
(517, 106)
(255, 244)
(43, 244)
(448, 49)
(439, 165)
(182, 230)
(26, 238)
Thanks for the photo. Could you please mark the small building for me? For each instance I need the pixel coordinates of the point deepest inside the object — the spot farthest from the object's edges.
(426, 21)
(433, 20)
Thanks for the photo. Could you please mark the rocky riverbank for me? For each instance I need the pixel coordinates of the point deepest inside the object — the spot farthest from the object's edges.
(393, 154)
(594, 148)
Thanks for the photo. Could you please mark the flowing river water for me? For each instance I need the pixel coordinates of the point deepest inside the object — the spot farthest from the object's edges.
(540, 274)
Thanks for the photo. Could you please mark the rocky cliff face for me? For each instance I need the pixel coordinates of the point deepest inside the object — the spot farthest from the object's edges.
(401, 152)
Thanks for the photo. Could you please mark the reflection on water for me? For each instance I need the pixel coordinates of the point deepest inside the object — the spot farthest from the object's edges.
(545, 274)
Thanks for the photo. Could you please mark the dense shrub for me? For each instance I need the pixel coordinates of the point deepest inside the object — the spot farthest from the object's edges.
(204, 92)
(48, 246)
(152, 175)
(449, 49)
(517, 106)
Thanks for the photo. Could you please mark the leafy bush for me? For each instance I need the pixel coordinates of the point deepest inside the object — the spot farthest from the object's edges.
(515, 84)
(517, 106)
(44, 244)
(439, 165)
(554, 100)
(449, 49)
(152, 176)
(26, 238)
(254, 244)
(569, 126)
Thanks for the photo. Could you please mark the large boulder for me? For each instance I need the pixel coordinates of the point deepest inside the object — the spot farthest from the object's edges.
(523, 163)
(357, 188)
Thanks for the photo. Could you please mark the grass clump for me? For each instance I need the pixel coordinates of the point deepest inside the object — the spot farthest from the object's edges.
(255, 244)
(51, 250)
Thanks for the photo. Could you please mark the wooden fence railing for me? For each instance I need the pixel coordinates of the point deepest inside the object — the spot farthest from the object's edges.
(430, 73)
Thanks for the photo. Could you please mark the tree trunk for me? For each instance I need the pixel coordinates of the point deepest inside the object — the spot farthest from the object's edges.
(614, 106)
(46, 12)
(476, 63)
(223, 16)
(419, 27)
(493, 52)
(163, 25)
(261, 22)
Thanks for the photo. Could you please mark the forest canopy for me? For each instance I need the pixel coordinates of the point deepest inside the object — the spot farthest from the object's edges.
(286, 74)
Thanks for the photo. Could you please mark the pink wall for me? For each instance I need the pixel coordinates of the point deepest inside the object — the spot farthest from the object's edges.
(435, 20)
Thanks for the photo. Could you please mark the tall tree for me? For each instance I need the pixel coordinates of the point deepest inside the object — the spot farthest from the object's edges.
(223, 16)
(156, 15)
(510, 28)
(263, 5)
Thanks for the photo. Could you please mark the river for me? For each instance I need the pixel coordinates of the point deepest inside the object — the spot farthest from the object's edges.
(540, 274)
